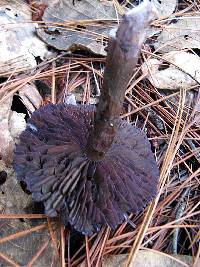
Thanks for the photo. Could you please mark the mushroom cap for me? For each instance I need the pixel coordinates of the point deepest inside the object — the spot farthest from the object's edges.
(88, 194)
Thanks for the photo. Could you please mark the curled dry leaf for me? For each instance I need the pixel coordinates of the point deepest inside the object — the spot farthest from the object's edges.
(182, 34)
(18, 43)
(30, 97)
(76, 35)
(167, 76)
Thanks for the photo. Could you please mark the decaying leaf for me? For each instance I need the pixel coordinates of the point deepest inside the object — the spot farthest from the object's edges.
(182, 34)
(85, 35)
(147, 259)
(19, 44)
(22, 249)
(167, 76)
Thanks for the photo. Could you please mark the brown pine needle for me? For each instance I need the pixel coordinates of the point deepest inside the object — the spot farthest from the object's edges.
(7, 259)
(62, 245)
(22, 233)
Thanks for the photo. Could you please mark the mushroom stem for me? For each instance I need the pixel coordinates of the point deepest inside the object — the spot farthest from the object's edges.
(123, 49)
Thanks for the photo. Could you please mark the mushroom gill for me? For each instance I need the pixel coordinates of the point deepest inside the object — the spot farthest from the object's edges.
(87, 164)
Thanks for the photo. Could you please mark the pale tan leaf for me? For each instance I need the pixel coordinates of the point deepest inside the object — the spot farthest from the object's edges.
(19, 44)
(163, 76)
(185, 33)
(30, 97)
(149, 259)
(81, 34)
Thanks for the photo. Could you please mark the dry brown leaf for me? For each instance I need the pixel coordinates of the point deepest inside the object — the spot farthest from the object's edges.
(82, 36)
(22, 249)
(30, 97)
(183, 34)
(148, 259)
(18, 43)
(5, 108)
(171, 77)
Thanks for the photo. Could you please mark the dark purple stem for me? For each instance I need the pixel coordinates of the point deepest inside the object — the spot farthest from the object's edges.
(123, 49)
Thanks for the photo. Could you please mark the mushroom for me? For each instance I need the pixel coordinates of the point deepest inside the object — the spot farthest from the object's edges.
(87, 164)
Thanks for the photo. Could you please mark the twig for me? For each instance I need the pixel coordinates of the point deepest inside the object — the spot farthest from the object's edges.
(21, 215)
(53, 88)
(22, 233)
(87, 252)
(6, 258)
(179, 213)
(62, 244)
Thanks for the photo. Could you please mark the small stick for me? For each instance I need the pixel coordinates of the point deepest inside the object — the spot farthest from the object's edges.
(6, 258)
(62, 244)
(22, 233)
(179, 213)
(87, 252)
(53, 88)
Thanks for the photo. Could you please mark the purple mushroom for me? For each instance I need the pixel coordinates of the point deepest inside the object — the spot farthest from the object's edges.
(87, 164)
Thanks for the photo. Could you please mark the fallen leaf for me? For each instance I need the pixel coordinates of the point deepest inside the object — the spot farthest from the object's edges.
(30, 97)
(83, 33)
(70, 99)
(168, 76)
(182, 34)
(19, 45)
(147, 259)
(5, 108)
(21, 249)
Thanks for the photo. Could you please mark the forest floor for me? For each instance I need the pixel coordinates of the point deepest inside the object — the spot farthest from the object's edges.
(54, 51)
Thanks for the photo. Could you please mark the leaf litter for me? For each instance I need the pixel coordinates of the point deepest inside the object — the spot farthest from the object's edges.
(69, 26)
(171, 121)
(19, 46)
